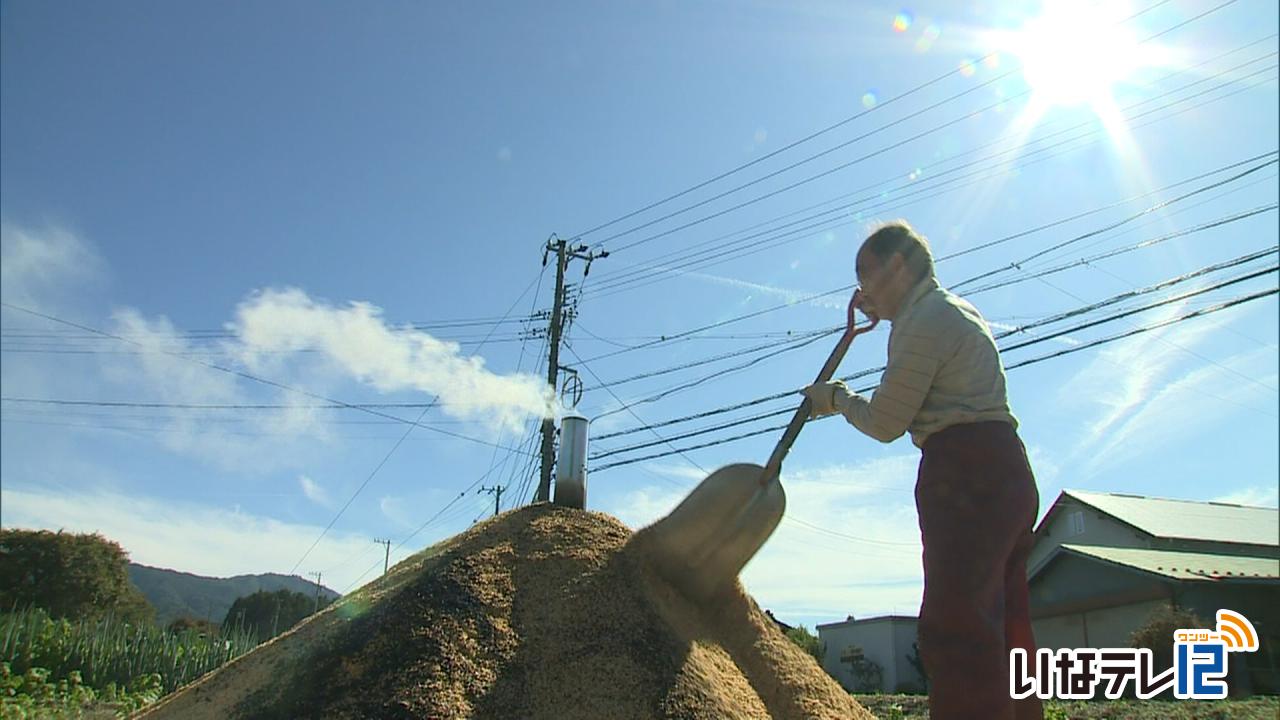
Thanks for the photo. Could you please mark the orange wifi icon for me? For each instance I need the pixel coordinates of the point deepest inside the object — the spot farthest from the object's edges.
(1236, 631)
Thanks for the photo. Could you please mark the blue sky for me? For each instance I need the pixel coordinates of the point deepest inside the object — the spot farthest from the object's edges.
(284, 189)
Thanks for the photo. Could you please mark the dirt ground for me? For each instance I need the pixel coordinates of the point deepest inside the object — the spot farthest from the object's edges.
(542, 612)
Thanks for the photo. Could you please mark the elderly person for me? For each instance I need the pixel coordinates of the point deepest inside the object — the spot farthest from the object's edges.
(975, 493)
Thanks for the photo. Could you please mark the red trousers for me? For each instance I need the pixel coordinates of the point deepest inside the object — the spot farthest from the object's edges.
(977, 501)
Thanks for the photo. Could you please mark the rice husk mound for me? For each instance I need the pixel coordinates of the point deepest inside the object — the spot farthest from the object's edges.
(541, 612)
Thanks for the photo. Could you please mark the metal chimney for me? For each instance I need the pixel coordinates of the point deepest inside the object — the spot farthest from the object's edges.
(571, 462)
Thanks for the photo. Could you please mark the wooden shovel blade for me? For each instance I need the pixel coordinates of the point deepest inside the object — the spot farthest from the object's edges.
(702, 544)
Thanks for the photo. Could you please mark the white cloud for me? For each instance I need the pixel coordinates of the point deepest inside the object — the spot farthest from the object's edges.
(1256, 496)
(1135, 402)
(1176, 410)
(832, 302)
(313, 491)
(37, 267)
(192, 537)
(163, 369)
(393, 508)
(683, 471)
(358, 342)
(273, 329)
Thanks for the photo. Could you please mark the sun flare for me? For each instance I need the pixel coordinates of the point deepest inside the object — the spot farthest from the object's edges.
(1075, 53)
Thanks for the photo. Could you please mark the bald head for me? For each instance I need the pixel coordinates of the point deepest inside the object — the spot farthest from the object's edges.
(898, 237)
(890, 262)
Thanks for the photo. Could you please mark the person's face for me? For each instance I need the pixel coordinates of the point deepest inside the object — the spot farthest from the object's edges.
(881, 282)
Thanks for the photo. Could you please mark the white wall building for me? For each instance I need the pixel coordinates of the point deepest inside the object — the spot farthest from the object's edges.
(885, 640)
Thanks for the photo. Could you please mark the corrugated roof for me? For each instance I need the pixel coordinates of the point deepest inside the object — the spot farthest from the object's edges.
(1189, 520)
(1185, 565)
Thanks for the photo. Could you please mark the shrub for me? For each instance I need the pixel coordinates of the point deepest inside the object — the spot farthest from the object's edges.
(69, 575)
(807, 641)
(1156, 634)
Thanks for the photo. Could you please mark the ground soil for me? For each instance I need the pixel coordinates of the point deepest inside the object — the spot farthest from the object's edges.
(542, 612)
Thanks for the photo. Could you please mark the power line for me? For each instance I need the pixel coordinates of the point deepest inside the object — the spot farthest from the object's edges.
(1084, 261)
(391, 451)
(722, 323)
(716, 254)
(765, 157)
(492, 465)
(231, 406)
(716, 375)
(1153, 208)
(815, 135)
(928, 168)
(811, 178)
(1187, 350)
(1084, 346)
(1021, 329)
(632, 412)
(423, 526)
(1087, 261)
(851, 163)
(665, 339)
(264, 381)
(722, 356)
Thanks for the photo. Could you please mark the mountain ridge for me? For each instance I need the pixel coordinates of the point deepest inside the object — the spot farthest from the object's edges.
(177, 593)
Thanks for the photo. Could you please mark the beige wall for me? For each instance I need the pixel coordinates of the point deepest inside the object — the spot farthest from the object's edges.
(886, 641)
(1106, 627)
(1099, 529)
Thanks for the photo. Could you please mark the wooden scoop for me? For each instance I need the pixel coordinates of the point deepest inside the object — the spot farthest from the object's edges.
(702, 545)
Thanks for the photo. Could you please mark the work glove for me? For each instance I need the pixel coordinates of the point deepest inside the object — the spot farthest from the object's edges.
(826, 398)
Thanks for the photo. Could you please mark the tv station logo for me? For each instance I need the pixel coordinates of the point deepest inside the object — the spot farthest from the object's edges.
(1199, 666)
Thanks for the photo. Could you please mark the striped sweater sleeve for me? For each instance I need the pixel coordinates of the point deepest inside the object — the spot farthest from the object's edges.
(913, 363)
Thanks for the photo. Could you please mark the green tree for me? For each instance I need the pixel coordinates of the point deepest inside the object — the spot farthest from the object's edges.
(69, 575)
(807, 641)
(199, 625)
(267, 614)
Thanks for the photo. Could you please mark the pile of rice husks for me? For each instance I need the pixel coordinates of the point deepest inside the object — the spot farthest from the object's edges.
(542, 612)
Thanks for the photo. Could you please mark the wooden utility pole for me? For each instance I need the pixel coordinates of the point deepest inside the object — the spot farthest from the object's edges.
(496, 492)
(386, 561)
(316, 575)
(563, 254)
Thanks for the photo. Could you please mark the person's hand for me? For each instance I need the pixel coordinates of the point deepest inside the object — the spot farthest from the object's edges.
(865, 306)
(822, 398)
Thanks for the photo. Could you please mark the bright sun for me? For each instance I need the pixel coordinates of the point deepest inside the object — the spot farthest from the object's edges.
(1075, 53)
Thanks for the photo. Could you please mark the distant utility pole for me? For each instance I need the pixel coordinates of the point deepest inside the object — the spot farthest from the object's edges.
(387, 560)
(316, 575)
(564, 254)
(496, 492)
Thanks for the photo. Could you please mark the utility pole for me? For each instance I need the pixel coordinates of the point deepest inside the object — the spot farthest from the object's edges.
(564, 253)
(496, 491)
(386, 561)
(316, 575)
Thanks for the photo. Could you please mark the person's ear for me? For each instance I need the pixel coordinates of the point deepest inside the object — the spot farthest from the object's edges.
(898, 264)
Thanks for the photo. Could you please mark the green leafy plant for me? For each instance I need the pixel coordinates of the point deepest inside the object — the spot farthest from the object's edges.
(109, 651)
(807, 641)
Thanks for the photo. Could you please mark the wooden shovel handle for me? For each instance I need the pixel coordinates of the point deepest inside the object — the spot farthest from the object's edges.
(774, 466)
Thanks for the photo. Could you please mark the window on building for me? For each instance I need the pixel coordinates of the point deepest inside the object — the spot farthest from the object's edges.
(1075, 523)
